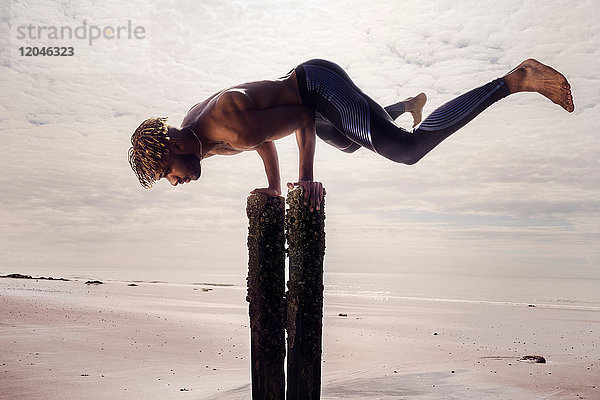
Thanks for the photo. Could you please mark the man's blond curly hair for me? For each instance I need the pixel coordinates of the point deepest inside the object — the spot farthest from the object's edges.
(149, 150)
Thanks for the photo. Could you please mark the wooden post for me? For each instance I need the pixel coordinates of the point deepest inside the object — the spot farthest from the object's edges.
(266, 287)
(305, 233)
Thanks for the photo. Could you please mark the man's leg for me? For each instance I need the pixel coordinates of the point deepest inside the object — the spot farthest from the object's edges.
(327, 88)
(329, 133)
(408, 148)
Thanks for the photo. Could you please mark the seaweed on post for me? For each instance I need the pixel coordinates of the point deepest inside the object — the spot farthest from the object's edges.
(305, 234)
(266, 295)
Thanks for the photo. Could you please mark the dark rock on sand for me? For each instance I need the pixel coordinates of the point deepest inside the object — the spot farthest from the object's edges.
(94, 283)
(213, 284)
(533, 359)
(21, 276)
(16, 276)
(342, 315)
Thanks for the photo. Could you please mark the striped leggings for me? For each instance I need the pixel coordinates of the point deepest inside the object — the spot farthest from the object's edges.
(348, 119)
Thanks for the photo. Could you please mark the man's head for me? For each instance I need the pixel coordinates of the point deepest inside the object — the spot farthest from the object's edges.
(162, 151)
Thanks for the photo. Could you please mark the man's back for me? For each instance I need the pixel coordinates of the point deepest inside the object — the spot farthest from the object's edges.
(245, 116)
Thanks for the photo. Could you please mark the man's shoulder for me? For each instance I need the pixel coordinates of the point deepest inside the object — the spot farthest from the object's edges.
(232, 100)
(225, 102)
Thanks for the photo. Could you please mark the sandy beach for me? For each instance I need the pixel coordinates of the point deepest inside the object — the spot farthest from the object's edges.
(72, 340)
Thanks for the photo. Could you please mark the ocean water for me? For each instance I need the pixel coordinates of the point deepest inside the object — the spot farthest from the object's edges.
(553, 292)
(566, 293)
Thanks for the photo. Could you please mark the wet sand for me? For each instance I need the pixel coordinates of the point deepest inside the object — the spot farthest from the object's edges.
(158, 340)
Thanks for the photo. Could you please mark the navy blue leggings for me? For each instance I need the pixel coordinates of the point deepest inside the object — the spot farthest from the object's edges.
(348, 119)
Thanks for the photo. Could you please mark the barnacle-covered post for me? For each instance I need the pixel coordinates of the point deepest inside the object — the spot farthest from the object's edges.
(305, 233)
(266, 291)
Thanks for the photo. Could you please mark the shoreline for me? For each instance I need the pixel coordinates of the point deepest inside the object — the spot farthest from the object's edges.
(68, 339)
(379, 296)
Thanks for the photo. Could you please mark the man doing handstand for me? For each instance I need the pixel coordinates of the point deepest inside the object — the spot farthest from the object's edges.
(316, 98)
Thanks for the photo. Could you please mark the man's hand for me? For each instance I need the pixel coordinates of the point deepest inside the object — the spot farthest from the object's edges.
(268, 191)
(313, 193)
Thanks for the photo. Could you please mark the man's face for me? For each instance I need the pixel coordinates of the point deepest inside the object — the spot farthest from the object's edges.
(181, 168)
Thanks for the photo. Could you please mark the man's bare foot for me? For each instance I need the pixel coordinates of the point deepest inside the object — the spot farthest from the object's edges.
(533, 76)
(414, 105)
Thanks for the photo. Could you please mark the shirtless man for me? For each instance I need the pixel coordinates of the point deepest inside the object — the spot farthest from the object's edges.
(316, 97)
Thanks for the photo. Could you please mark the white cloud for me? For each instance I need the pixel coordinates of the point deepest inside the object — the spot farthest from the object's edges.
(68, 193)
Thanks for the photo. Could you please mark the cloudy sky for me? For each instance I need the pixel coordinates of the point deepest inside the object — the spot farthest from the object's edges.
(516, 192)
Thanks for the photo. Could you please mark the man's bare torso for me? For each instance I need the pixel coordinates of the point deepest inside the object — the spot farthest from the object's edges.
(245, 116)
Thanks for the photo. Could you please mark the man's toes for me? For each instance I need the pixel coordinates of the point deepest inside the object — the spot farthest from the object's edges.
(568, 105)
(569, 97)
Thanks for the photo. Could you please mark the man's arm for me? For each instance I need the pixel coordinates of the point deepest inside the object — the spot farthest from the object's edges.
(313, 191)
(268, 153)
(305, 138)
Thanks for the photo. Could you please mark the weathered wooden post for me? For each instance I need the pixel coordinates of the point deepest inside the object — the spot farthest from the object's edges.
(305, 233)
(266, 291)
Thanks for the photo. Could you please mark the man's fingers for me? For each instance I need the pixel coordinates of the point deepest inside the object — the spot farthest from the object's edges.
(313, 193)
(320, 196)
(306, 186)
